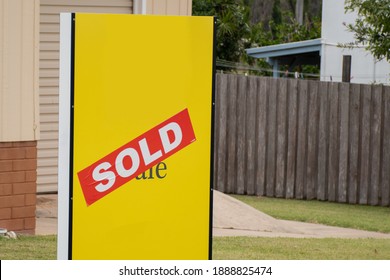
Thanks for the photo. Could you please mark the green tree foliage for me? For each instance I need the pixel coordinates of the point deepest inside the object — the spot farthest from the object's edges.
(235, 32)
(372, 26)
(276, 12)
(289, 30)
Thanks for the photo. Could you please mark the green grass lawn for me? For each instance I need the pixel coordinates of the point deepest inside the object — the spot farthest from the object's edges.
(29, 248)
(372, 218)
(262, 248)
(231, 248)
(257, 248)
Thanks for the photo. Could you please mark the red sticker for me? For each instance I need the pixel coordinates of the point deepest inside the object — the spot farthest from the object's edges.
(135, 157)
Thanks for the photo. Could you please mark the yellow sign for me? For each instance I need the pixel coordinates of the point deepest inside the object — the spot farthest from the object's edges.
(142, 137)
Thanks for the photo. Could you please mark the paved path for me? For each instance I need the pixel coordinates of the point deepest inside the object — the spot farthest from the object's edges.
(46, 213)
(231, 218)
(235, 218)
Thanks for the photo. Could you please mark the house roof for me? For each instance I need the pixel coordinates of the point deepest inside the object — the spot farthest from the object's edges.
(288, 49)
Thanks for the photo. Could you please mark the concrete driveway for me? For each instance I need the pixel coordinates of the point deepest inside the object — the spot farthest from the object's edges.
(235, 218)
(231, 217)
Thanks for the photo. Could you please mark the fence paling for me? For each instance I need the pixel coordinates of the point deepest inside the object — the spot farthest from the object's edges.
(302, 139)
(251, 136)
(385, 167)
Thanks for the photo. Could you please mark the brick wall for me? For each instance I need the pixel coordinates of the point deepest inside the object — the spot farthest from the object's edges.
(18, 176)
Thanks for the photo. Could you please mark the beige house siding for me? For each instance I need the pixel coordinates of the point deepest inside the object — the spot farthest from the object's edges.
(19, 29)
(49, 67)
(19, 113)
(49, 77)
(169, 7)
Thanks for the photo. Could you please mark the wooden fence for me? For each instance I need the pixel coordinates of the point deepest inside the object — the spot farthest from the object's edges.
(302, 139)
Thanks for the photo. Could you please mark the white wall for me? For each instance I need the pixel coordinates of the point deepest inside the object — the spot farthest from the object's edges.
(364, 68)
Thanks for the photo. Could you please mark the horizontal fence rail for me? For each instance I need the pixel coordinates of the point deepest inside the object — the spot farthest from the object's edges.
(302, 139)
